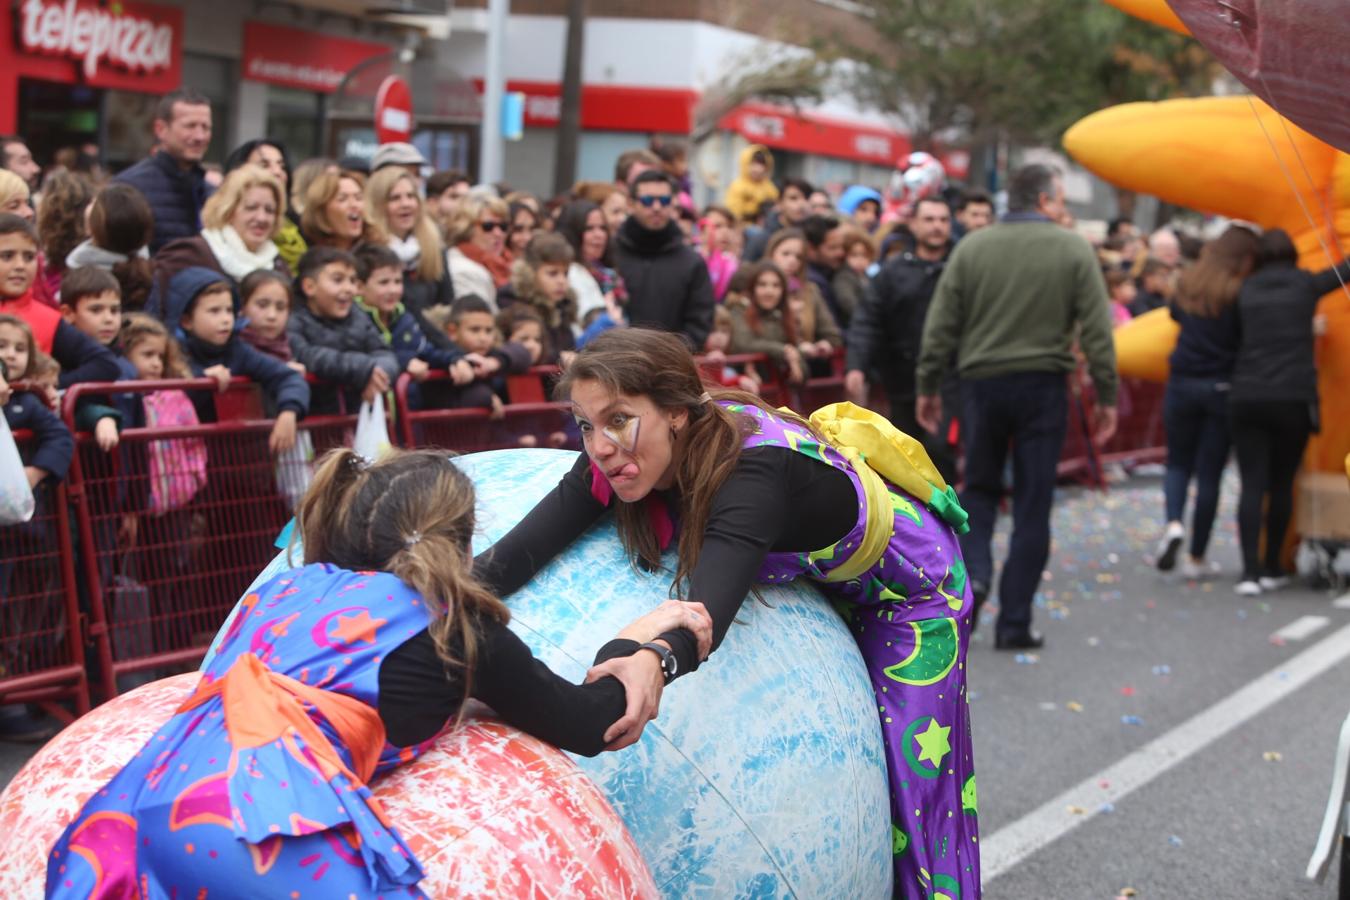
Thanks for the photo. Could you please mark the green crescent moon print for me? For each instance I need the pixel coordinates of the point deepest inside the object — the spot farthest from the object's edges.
(968, 799)
(936, 645)
(899, 841)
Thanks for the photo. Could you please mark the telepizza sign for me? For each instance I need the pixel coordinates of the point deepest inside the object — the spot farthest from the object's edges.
(134, 46)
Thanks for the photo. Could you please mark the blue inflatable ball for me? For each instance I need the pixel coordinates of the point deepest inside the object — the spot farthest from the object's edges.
(764, 775)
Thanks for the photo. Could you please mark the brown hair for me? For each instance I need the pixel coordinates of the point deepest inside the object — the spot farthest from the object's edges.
(855, 237)
(60, 220)
(38, 362)
(1210, 284)
(1115, 278)
(658, 365)
(121, 221)
(596, 192)
(314, 224)
(752, 310)
(782, 236)
(409, 514)
(87, 281)
(136, 327)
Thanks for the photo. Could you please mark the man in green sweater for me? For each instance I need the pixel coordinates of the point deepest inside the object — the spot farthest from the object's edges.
(1010, 304)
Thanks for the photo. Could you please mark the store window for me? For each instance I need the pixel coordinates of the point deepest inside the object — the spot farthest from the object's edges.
(55, 117)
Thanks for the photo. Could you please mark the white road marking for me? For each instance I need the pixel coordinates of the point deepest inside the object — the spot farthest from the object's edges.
(1342, 602)
(1302, 627)
(1012, 843)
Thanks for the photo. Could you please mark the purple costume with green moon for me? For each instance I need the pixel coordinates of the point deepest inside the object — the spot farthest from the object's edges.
(910, 614)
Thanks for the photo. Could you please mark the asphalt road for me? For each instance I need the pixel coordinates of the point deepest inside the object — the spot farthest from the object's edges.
(1225, 807)
(1131, 658)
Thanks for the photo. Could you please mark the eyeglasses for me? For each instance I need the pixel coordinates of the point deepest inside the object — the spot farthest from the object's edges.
(490, 227)
(659, 200)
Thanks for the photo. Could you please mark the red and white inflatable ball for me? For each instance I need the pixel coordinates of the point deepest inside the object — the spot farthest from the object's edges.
(489, 811)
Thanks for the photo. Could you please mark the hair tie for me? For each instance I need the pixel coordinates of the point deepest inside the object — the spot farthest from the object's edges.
(411, 539)
(706, 398)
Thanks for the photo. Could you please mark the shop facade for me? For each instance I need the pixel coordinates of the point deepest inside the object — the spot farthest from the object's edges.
(77, 72)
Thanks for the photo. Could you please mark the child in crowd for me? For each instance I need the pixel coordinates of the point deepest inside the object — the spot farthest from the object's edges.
(470, 324)
(850, 282)
(201, 304)
(539, 281)
(379, 272)
(335, 342)
(715, 351)
(1120, 286)
(176, 468)
(25, 610)
(81, 358)
(91, 301)
(265, 310)
(817, 333)
(522, 325)
(764, 325)
(753, 186)
(19, 360)
(715, 230)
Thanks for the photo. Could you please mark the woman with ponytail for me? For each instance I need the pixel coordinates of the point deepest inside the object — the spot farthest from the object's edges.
(752, 495)
(328, 676)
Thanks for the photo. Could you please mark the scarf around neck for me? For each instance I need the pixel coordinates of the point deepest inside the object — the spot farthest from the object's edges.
(90, 254)
(499, 267)
(409, 251)
(235, 259)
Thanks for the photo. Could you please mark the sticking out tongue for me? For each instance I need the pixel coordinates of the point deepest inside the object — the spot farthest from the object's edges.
(628, 471)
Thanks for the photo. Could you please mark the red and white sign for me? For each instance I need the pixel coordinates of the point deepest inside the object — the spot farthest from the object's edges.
(293, 58)
(393, 111)
(608, 107)
(786, 130)
(130, 45)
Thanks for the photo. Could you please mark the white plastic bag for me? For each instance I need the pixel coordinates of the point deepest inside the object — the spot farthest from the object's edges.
(295, 470)
(16, 497)
(372, 431)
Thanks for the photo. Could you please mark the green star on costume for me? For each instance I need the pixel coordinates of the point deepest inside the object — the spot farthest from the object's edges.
(934, 743)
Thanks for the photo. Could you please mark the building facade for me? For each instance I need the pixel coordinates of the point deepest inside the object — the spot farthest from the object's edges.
(305, 73)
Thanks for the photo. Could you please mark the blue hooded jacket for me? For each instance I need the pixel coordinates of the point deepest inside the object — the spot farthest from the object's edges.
(855, 195)
(283, 387)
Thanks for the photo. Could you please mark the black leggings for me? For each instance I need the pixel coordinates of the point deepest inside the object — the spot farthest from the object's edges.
(1269, 436)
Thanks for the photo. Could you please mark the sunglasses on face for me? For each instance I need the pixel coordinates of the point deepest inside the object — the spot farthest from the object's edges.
(489, 227)
(662, 200)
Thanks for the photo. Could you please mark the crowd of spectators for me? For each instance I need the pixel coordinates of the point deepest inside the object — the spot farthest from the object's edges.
(324, 281)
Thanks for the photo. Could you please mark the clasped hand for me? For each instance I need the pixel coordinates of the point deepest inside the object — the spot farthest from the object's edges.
(641, 674)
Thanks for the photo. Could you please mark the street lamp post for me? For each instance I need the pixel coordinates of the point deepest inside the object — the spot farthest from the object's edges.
(491, 147)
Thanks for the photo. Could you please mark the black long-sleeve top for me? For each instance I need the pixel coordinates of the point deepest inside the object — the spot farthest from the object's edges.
(775, 500)
(418, 694)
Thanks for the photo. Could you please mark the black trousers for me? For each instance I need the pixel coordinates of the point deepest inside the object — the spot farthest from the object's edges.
(1270, 437)
(1027, 411)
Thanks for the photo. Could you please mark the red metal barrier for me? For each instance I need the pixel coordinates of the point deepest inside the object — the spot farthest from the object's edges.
(162, 576)
(471, 429)
(41, 643)
(1140, 437)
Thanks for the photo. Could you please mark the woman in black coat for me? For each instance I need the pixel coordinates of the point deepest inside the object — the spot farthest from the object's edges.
(1274, 399)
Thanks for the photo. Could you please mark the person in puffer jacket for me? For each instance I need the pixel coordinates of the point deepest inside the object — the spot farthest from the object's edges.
(200, 308)
(335, 341)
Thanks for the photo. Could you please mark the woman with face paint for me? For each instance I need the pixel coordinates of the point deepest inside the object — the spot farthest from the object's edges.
(751, 495)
